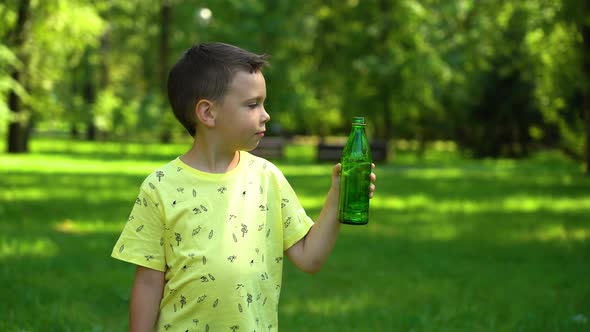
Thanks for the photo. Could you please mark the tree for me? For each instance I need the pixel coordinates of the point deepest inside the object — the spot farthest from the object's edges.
(47, 38)
(496, 76)
(579, 10)
(18, 129)
(561, 47)
(501, 114)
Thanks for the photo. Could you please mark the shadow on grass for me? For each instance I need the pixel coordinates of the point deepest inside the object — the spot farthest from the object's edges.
(444, 251)
(75, 287)
(374, 283)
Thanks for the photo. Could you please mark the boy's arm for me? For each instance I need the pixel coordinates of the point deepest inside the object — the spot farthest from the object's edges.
(310, 253)
(145, 299)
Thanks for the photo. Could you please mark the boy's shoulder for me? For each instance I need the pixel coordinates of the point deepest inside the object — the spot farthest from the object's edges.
(175, 170)
(252, 158)
(165, 170)
(259, 163)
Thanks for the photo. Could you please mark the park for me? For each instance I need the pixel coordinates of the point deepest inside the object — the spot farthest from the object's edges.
(452, 244)
(478, 114)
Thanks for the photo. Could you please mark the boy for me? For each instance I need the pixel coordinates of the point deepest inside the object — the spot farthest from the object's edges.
(209, 229)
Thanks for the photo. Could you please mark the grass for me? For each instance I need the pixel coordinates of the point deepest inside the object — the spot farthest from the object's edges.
(452, 244)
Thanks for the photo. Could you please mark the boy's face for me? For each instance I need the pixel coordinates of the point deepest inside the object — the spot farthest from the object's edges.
(240, 116)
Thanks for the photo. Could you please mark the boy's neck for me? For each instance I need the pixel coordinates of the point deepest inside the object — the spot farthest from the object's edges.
(210, 159)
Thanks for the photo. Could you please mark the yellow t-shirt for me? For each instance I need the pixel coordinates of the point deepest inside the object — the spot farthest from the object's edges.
(219, 238)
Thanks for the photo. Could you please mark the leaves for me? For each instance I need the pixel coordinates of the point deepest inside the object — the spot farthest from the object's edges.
(414, 68)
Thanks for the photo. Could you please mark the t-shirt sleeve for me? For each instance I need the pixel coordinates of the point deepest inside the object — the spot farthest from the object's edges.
(295, 221)
(141, 241)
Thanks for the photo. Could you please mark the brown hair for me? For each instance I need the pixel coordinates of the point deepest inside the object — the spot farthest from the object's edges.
(204, 72)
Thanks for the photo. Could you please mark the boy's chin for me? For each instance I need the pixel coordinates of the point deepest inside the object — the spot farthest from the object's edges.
(250, 147)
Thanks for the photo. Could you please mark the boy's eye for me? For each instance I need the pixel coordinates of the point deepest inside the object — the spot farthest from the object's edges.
(253, 105)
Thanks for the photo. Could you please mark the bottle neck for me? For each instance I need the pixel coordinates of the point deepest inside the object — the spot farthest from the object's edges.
(357, 137)
(358, 128)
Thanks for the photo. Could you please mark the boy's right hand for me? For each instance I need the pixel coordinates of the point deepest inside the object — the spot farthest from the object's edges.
(336, 171)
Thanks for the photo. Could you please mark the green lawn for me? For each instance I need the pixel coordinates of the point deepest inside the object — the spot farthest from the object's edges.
(452, 244)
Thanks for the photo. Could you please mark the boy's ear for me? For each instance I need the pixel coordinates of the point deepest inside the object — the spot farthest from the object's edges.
(205, 113)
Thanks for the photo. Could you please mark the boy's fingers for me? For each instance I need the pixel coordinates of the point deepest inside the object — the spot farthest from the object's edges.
(336, 169)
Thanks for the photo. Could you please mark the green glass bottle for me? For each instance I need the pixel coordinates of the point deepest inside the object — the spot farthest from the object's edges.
(353, 206)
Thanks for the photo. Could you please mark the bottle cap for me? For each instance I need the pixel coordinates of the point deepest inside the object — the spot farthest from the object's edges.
(358, 120)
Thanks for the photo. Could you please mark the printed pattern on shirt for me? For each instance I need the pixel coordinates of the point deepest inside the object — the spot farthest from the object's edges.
(219, 240)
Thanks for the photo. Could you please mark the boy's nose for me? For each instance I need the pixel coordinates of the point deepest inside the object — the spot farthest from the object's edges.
(265, 116)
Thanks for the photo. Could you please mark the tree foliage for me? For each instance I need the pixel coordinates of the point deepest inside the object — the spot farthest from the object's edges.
(497, 77)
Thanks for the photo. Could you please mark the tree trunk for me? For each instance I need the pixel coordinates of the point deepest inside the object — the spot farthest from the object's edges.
(386, 109)
(18, 129)
(89, 96)
(89, 100)
(587, 117)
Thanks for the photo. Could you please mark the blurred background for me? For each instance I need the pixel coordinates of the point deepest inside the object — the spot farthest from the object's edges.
(498, 78)
(479, 114)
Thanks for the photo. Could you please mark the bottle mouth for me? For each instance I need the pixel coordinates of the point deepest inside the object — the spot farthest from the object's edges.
(358, 120)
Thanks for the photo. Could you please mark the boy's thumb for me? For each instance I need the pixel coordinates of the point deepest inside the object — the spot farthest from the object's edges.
(337, 169)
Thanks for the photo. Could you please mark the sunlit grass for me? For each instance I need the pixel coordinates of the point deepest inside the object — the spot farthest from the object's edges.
(512, 203)
(40, 247)
(326, 306)
(452, 244)
(44, 164)
(84, 227)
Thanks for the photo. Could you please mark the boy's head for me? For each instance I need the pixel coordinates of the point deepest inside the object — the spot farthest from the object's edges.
(205, 71)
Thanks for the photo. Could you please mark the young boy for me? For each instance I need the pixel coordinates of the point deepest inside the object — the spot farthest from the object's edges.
(209, 229)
